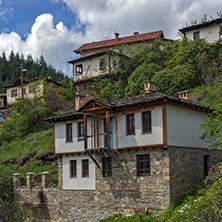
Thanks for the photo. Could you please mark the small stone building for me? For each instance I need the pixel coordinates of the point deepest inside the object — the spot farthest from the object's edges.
(140, 152)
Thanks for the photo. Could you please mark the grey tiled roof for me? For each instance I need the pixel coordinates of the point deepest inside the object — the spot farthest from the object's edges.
(127, 102)
(146, 98)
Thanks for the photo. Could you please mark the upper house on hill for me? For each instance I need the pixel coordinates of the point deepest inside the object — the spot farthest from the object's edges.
(29, 88)
(210, 31)
(99, 59)
(93, 62)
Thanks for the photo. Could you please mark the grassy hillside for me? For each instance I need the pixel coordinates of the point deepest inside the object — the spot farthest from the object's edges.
(33, 153)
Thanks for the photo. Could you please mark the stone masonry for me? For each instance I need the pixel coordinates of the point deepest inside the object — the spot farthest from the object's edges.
(173, 171)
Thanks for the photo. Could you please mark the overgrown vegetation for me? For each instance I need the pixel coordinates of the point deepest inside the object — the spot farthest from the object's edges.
(203, 205)
(10, 69)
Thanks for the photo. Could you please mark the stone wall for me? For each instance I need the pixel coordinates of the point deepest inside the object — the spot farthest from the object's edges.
(187, 168)
(173, 172)
(124, 192)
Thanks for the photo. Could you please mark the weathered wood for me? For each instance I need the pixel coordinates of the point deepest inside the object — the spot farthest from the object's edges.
(164, 123)
(107, 128)
(85, 132)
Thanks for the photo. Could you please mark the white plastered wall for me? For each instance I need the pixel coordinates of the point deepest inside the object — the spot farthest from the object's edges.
(210, 33)
(183, 127)
(61, 146)
(140, 139)
(79, 182)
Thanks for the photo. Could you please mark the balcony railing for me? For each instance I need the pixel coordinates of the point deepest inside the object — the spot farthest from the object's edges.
(100, 142)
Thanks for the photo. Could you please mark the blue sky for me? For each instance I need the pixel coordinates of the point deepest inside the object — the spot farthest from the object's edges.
(20, 15)
(54, 28)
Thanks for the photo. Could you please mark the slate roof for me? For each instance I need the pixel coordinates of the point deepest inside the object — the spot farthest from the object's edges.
(121, 40)
(66, 116)
(205, 24)
(128, 102)
(146, 98)
(18, 82)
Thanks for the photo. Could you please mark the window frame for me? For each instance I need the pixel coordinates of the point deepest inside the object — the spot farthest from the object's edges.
(102, 64)
(73, 168)
(130, 124)
(147, 126)
(14, 93)
(32, 89)
(143, 158)
(79, 69)
(81, 133)
(85, 168)
(107, 166)
(69, 133)
(196, 35)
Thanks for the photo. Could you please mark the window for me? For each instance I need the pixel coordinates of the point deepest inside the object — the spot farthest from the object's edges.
(81, 130)
(147, 124)
(196, 35)
(102, 64)
(24, 91)
(107, 166)
(85, 168)
(73, 168)
(143, 165)
(14, 93)
(130, 124)
(31, 89)
(69, 132)
(220, 30)
(79, 69)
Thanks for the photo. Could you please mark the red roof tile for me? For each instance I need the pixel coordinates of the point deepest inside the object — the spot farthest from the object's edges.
(122, 40)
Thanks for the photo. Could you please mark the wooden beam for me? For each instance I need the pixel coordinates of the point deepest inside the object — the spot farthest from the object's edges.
(164, 123)
(73, 121)
(94, 125)
(134, 108)
(116, 116)
(138, 110)
(96, 108)
(94, 160)
(107, 128)
(85, 132)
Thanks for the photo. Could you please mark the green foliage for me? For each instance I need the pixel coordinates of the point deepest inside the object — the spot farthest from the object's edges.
(204, 205)
(27, 118)
(174, 66)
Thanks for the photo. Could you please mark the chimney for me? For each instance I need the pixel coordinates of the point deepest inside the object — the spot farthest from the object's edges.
(149, 86)
(136, 33)
(116, 36)
(49, 77)
(184, 94)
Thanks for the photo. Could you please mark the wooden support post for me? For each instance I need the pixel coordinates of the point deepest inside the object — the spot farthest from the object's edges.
(107, 128)
(164, 123)
(94, 123)
(85, 132)
(97, 129)
(116, 116)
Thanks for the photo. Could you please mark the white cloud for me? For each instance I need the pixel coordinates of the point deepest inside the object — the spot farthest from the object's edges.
(56, 44)
(106, 16)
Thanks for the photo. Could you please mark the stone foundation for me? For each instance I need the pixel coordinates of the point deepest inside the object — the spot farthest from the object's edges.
(173, 171)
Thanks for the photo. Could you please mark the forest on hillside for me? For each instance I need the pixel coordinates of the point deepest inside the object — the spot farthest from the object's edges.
(10, 69)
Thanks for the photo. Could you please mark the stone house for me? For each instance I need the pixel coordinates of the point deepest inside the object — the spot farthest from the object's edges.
(99, 59)
(140, 152)
(210, 31)
(30, 88)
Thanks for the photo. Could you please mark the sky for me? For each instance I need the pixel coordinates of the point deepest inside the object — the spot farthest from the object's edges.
(54, 28)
